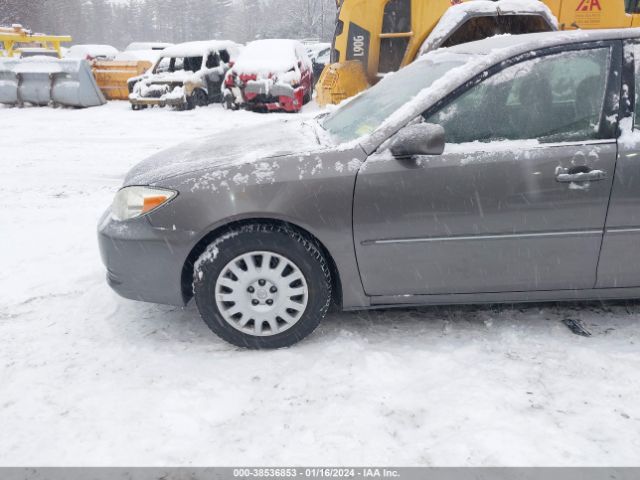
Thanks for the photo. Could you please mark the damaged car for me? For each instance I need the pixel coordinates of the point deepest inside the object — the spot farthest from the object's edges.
(185, 76)
(270, 75)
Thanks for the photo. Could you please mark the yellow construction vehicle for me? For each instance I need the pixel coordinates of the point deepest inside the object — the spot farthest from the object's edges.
(15, 38)
(375, 37)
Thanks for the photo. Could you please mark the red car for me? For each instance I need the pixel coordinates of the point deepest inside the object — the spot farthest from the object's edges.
(271, 75)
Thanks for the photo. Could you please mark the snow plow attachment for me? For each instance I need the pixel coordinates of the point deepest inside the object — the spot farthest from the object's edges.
(45, 81)
(340, 81)
(112, 76)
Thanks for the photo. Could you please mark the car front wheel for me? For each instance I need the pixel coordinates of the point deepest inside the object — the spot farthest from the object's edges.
(262, 286)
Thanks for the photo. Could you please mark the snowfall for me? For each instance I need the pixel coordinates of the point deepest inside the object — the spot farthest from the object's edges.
(88, 378)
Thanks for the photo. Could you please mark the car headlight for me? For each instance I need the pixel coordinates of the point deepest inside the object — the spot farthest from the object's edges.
(131, 202)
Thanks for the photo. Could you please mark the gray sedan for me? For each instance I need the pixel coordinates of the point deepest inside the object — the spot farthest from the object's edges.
(504, 170)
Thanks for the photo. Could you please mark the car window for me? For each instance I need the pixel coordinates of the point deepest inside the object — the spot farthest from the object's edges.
(212, 60)
(192, 64)
(323, 56)
(636, 57)
(632, 6)
(163, 65)
(396, 20)
(552, 99)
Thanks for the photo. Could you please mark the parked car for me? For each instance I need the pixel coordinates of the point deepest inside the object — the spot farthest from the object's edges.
(314, 49)
(270, 75)
(488, 172)
(186, 76)
(159, 46)
(321, 60)
(92, 52)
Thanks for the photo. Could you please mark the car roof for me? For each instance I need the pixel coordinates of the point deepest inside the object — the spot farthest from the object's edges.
(515, 44)
(196, 49)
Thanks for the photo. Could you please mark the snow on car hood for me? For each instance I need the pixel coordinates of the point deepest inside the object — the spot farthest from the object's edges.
(244, 145)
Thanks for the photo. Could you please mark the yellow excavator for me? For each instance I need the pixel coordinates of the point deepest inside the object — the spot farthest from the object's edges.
(15, 39)
(375, 37)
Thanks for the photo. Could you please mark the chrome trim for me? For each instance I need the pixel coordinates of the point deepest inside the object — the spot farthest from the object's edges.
(483, 237)
(510, 143)
(581, 144)
(622, 230)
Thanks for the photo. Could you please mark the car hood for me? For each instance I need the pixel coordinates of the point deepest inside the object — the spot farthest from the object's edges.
(243, 145)
(170, 77)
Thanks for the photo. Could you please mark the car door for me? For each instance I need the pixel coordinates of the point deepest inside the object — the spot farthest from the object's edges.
(519, 198)
(214, 76)
(621, 245)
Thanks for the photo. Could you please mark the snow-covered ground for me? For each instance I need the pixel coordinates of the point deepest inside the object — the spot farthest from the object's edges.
(88, 378)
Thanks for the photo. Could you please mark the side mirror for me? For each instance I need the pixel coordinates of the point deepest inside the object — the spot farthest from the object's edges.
(420, 139)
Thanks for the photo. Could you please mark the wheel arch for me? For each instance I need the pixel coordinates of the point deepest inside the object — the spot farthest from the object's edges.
(186, 278)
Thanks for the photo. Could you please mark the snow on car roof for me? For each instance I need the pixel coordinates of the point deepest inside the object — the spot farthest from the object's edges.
(81, 51)
(268, 56)
(197, 49)
(135, 46)
(138, 55)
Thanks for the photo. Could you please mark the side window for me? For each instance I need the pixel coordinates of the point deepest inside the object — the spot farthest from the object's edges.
(632, 6)
(397, 16)
(396, 19)
(554, 98)
(224, 56)
(163, 65)
(212, 60)
(192, 64)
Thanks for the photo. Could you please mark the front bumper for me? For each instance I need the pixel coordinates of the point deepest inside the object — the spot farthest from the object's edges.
(269, 95)
(257, 87)
(144, 262)
(160, 102)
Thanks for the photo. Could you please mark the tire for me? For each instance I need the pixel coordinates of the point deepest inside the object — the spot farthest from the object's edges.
(198, 98)
(307, 96)
(229, 103)
(237, 308)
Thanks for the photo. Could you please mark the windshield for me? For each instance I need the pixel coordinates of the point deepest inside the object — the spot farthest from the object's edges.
(366, 112)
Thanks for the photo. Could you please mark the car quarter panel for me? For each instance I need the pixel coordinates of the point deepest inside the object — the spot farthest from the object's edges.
(312, 191)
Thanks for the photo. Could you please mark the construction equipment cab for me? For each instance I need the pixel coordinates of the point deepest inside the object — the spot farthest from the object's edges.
(375, 37)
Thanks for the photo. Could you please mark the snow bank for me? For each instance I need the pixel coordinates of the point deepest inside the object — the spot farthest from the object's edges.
(88, 378)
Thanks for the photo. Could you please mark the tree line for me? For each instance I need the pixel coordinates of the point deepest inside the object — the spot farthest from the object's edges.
(119, 22)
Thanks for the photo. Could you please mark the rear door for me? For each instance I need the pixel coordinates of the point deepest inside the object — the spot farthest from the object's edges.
(519, 199)
(621, 246)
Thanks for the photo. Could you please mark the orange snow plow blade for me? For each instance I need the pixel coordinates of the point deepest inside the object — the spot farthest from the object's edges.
(112, 76)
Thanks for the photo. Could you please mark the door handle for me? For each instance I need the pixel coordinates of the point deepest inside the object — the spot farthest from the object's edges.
(580, 174)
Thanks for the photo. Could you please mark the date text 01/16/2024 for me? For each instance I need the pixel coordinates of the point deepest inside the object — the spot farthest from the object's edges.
(315, 473)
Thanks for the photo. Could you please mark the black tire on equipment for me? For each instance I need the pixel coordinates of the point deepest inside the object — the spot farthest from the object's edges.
(282, 240)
